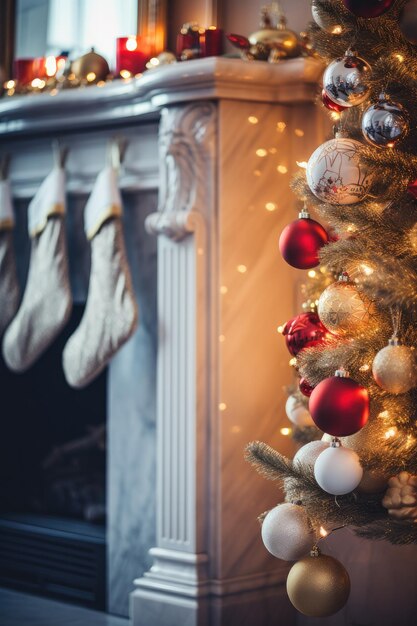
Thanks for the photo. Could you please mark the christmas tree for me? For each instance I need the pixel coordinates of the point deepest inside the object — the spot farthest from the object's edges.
(353, 346)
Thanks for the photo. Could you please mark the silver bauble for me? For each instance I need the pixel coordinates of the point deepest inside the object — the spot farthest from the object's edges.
(344, 80)
(335, 173)
(384, 124)
(408, 22)
(286, 532)
(394, 368)
(326, 22)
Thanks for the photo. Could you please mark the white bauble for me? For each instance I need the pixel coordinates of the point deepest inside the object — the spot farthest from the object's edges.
(328, 438)
(297, 412)
(286, 532)
(338, 470)
(307, 455)
(335, 173)
(394, 368)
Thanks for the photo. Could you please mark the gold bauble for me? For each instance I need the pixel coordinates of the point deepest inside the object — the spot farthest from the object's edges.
(342, 309)
(90, 64)
(318, 586)
(166, 58)
(279, 38)
(394, 368)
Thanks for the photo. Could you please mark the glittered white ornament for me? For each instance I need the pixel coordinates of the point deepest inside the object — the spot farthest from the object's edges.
(286, 532)
(342, 309)
(326, 22)
(297, 412)
(335, 173)
(307, 455)
(338, 470)
(394, 368)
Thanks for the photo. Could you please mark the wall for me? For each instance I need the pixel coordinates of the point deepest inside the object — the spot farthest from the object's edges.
(236, 16)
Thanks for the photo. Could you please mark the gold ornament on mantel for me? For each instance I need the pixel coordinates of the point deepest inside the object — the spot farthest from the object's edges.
(274, 41)
(90, 67)
(401, 497)
(278, 39)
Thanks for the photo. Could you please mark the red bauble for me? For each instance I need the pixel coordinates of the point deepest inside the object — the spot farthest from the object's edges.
(329, 104)
(339, 406)
(305, 387)
(304, 331)
(368, 8)
(300, 242)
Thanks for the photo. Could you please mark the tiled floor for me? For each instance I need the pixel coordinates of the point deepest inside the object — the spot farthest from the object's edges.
(18, 609)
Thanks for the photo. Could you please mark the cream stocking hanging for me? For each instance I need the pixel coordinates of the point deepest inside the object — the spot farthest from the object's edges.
(9, 288)
(111, 314)
(47, 302)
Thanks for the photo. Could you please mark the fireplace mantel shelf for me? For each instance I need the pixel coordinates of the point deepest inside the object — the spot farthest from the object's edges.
(122, 101)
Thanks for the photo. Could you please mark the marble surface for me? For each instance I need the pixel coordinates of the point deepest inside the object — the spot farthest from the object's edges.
(257, 294)
(18, 609)
(131, 420)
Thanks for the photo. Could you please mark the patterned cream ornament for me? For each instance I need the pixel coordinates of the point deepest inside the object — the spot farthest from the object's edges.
(335, 173)
(342, 309)
(401, 497)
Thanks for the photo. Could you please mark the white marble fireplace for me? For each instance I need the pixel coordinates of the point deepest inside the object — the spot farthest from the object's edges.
(211, 146)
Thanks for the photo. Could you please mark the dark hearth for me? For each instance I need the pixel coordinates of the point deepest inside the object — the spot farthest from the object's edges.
(52, 480)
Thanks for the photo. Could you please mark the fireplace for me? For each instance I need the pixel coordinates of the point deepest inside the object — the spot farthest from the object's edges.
(69, 457)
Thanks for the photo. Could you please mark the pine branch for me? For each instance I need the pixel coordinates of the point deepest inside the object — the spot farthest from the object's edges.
(268, 462)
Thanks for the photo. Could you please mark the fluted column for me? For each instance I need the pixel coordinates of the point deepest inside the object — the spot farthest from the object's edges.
(187, 152)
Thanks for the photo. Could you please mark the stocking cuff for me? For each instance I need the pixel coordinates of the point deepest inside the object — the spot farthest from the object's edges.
(49, 200)
(6, 207)
(104, 203)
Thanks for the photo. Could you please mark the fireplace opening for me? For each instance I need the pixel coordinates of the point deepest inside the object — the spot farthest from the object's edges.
(53, 480)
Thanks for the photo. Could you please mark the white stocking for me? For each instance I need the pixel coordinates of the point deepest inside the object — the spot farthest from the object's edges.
(47, 302)
(111, 315)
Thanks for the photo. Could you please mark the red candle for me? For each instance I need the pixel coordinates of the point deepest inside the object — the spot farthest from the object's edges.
(132, 54)
(187, 39)
(212, 42)
(39, 70)
(23, 71)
